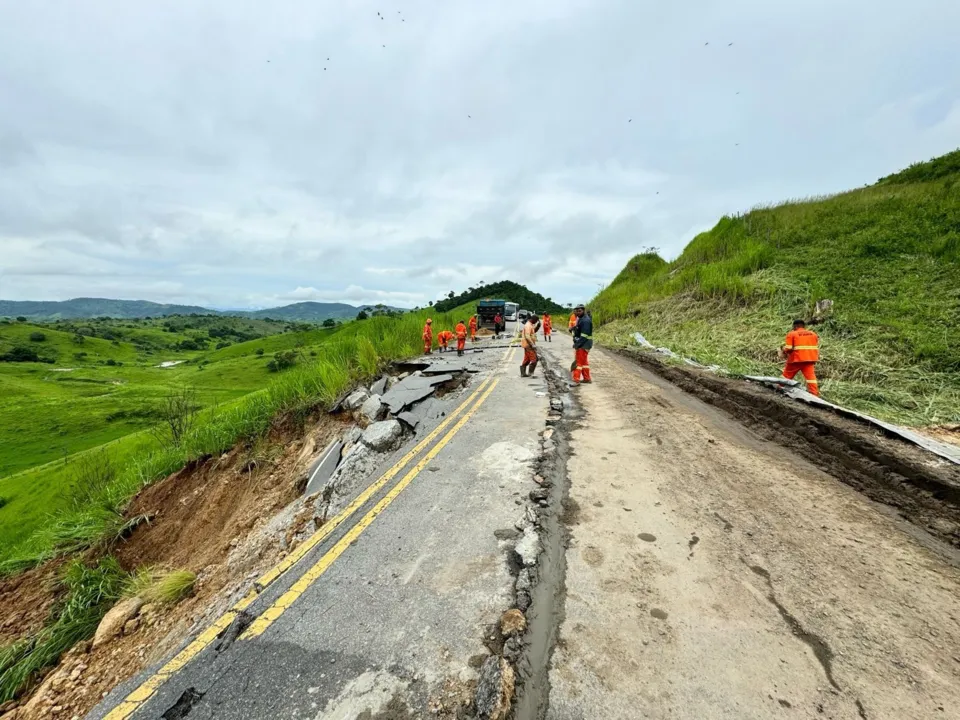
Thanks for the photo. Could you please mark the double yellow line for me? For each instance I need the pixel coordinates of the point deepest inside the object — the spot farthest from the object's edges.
(150, 686)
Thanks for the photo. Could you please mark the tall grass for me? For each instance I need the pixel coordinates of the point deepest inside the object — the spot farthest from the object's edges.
(89, 593)
(360, 350)
(889, 258)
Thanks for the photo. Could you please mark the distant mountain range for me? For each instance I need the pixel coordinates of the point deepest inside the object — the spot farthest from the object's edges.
(79, 308)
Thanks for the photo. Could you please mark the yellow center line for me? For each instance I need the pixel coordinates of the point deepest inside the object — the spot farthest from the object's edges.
(149, 686)
(285, 601)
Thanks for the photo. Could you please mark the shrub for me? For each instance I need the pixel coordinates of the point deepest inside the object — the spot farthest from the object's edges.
(21, 318)
(3, 501)
(23, 354)
(259, 351)
(282, 361)
(161, 588)
(111, 362)
(37, 337)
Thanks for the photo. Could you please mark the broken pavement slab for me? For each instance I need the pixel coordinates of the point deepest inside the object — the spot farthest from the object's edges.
(412, 389)
(322, 470)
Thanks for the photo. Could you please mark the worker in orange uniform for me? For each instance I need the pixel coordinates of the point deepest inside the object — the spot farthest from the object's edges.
(582, 345)
(461, 337)
(547, 328)
(428, 337)
(528, 341)
(473, 329)
(802, 352)
(443, 337)
(572, 323)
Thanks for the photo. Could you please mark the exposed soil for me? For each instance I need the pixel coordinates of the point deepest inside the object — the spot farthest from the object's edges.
(209, 518)
(923, 488)
(25, 601)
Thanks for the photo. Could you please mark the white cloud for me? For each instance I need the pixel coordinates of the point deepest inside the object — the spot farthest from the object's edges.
(211, 153)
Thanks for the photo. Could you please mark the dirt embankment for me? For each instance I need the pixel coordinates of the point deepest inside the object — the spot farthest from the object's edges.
(922, 487)
(225, 519)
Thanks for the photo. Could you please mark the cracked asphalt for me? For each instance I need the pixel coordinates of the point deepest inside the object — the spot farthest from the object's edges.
(400, 617)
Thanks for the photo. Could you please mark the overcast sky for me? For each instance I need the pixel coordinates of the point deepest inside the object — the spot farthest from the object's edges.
(240, 153)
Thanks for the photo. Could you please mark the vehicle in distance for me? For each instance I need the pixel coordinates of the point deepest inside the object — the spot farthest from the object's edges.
(522, 315)
(510, 311)
(487, 310)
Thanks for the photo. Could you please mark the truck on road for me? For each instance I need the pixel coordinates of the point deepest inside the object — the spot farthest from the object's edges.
(487, 310)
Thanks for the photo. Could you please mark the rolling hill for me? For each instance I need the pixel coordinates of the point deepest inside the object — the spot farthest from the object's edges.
(504, 290)
(887, 255)
(80, 308)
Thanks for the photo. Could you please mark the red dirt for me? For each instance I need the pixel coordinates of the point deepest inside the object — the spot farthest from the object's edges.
(201, 518)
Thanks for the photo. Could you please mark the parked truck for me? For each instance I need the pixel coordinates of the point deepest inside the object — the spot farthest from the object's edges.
(487, 310)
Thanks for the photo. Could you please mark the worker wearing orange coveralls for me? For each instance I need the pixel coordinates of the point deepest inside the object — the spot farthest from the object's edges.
(473, 329)
(547, 327)
(802, 350)
(461, 337)
(428, 337)
(528, 341)
(572, 323)
(444, 337)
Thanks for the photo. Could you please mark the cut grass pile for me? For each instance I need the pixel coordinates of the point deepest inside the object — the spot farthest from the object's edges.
(887, 255)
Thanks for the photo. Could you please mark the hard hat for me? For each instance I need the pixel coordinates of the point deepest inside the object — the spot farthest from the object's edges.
(579, 307)
(429, 321)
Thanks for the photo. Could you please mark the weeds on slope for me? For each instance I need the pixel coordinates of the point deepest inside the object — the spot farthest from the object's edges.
(887, 255)
(89, 593)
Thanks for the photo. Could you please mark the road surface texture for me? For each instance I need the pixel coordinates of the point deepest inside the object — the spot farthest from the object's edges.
(393, 626)
(680, 567)
(712, 574)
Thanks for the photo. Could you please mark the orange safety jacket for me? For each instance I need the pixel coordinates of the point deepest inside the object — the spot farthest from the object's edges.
(473, 324)
(427, 333)
(444, 337)
(802, 346)
(573, 321)
(547, 323)
(461, 331)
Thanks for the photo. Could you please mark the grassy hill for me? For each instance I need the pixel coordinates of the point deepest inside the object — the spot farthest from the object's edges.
(81, 308)
(888, 256)
(505, 290)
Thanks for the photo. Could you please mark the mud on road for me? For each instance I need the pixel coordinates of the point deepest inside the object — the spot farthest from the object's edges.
(713, 573)
(923, 488)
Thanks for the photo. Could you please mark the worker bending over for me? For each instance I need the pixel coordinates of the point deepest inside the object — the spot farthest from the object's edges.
(473, 329)
(528, 341)
(428, 337)
(547, 328)
(802, 351)
(582, 344)
(461, 337)
(443, 337)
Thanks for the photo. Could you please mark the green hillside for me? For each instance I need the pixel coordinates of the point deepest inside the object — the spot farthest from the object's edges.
(505, 290)
(888, 256)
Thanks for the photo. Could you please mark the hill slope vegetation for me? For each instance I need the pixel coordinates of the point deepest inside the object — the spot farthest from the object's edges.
(505, 290)
(888, 256)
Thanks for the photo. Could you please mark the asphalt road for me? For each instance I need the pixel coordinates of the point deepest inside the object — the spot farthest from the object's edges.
(390, 611)
(713, 574)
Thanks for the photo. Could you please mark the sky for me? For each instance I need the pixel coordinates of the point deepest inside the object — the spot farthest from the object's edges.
(238, 153)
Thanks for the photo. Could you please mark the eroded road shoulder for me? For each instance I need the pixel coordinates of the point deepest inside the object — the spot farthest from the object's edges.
(713, 574)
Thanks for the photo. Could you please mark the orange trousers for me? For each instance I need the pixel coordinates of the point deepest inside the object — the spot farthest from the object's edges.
(807, 369)
(582, 370)
(427, 346)
(461, 344)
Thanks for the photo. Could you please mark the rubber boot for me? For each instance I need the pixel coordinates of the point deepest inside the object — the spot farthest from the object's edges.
(523, 371)
(532, 366)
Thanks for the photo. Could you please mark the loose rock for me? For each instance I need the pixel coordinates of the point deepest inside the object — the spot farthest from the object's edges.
(372, 410)
(528, 548)
(113, 622)
(382, 436)
(513, 622)
(495, 689)
(356, 399)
